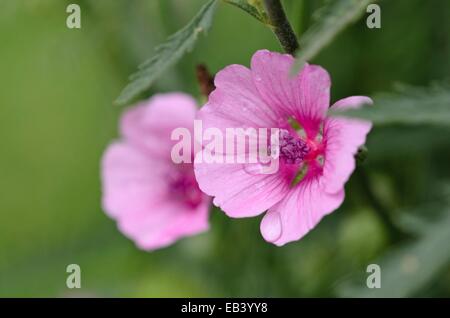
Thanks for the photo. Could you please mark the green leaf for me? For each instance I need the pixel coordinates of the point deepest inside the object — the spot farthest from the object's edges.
(333, 19)
(168, 53)
(409, 268)
(254, 8)
(410, 106)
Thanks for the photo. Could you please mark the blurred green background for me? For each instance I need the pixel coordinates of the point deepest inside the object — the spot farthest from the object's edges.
(56, 118)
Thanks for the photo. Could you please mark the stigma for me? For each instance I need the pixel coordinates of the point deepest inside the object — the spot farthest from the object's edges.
(293, 149)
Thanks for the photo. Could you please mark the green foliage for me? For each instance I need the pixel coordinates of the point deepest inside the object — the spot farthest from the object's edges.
(410, 268)
(254, 8)
(410, 106)
(333, 20)
(168, 53)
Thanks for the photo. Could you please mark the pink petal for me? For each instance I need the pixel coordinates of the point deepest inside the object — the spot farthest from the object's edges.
(131, 180)
(136, 193)
(166, 223)
(299, 212)
(352, 102)
(305, 96)
(343, 137)
(238, 190)
(235, 102)
(151, 123)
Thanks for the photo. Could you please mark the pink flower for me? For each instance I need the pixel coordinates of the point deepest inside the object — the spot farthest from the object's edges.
(154, 200)
(268, 96)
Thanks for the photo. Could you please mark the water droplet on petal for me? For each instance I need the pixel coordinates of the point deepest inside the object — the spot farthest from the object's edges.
(270, 227)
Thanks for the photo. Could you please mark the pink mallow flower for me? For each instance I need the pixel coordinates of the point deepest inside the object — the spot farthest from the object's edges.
(316, 151)
(154, 200)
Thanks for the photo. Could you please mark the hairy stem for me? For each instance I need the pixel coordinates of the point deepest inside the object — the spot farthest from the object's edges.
(281, 26)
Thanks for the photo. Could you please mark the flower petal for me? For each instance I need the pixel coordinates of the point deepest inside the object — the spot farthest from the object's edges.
(131, 180)
(343, 137)
(305, 96)
(235, 102)
(299, 212)
(136, 193)
(166, 223)
(239, 191)
(352, 102)
(150, 124)
(238, 188)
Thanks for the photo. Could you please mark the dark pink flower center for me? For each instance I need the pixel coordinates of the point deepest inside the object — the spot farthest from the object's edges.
(293, 150)
(184, 188)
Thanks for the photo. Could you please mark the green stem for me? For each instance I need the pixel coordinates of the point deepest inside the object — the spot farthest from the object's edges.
(281, 26)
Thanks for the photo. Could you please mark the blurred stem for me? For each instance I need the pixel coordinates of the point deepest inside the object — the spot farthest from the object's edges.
(294, 10)
(298, 9)
(395, 232)
(281, 26)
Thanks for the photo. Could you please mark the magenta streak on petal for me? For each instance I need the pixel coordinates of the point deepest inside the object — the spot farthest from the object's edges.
(184, 188)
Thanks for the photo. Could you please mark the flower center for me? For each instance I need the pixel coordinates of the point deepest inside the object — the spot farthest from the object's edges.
(293, 150)
(184, 188)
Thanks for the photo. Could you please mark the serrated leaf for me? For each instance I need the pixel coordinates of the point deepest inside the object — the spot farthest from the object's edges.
(411, 106)
(333, 19)
(168, 53)
(250, 9)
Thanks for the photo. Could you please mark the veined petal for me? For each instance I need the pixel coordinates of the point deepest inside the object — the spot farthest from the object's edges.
(239, 191)
(236, 103)
(342, 138)
(306, 96)
(299, 212)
